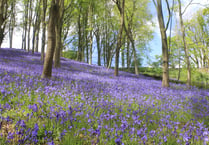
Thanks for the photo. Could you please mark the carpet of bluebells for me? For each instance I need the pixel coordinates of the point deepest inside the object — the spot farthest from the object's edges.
(86, 104)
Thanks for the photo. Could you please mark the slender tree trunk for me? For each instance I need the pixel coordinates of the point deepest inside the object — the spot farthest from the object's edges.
(23, 37)
(43, 29)
(123, 53)
(37, 36)
(34, 36)
(3, 17)
(165, 76)
(128, 55)
(98, 48)
(135, 60)
(87, 49)
(51, 34)
(58, 46)
(80, 35)
(90, 48)
(36, 27)
(58, 29)
(121, 9)
(1, 21)
(25, 25)
(185, 47)
(79, 38)
(130, 37)
(179, 70)
(11, 32)
(12, 23)
(29, 22)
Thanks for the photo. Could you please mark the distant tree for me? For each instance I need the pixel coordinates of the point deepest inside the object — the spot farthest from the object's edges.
(51, 43)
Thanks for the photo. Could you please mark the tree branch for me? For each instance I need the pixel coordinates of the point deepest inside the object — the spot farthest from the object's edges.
(187, 7)
(154, 3)
(70, 4)
(169, 15)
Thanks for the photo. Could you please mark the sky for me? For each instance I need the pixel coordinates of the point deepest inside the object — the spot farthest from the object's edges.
(155, 44)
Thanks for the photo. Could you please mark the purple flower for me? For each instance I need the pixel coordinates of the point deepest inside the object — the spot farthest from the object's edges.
(51, 143)
(34, 107)
(118, 141)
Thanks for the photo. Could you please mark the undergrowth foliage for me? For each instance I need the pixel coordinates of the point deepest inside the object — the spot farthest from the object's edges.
(83, 104)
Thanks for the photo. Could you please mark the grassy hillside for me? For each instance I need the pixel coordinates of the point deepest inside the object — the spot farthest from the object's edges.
(86, 105)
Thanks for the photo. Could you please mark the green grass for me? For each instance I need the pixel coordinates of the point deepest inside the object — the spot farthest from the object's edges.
(200, 77)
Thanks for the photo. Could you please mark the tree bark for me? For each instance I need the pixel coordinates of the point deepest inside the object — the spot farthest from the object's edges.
(51, 34)
(58, 29)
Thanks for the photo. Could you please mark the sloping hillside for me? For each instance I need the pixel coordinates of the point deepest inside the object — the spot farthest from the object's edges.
(86, 104)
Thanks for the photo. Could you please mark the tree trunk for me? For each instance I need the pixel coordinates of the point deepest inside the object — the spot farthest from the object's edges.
(87, 49)
(43, 29)
(25, 27)
(12, 23)
(165, 76)
(58, 29)
(36, 27)
(91, 16)
(79, 38)
(34, 36)
(123, 53)
(29, 22)
(51, 34)
(3, 17)
(37, 36)
(128, 55)
(98, 48)
(121, 9)
(58, 46)
(90, 48)
(135, 60)
(185, 47)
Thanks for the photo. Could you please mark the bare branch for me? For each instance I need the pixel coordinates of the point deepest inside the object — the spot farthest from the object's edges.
(154, 3)
(187, 7)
